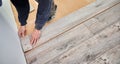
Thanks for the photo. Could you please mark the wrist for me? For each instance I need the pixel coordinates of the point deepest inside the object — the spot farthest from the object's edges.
(37, 30)
(38, 26)
(23, 26)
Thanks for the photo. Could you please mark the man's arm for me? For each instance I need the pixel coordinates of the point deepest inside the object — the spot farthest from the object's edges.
(43, 13)
(22, 7)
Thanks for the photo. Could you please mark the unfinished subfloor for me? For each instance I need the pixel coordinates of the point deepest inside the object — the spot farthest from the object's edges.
(65, 7)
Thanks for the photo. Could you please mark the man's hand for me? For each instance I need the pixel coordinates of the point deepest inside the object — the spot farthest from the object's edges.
(35, 36)
(22, 31)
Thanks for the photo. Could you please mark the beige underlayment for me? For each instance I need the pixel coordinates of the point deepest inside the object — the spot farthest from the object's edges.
(65, 7)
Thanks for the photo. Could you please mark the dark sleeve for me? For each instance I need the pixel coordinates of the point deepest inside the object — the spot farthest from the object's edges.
(0, 2)
(43, 13)
(22, 7)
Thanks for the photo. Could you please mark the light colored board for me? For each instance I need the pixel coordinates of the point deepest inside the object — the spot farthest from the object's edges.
(44, 52)
(51, 31)
(26, 46)
(91, 49)
(116, 19)
(110, 57)
(46, 48)
(104, 19)
(59, 45)
(31, 8)
(64, 23)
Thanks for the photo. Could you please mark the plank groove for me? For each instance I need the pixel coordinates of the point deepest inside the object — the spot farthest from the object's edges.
(60, 45)
(91, 49)
(86, 35)
(73, 37)
(60, 22)
(101, 21)
(68, 22)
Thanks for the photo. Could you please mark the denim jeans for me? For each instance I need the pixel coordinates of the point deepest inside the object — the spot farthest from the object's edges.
(43, 11)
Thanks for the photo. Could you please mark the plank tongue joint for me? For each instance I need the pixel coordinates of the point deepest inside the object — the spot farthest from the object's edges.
(25, 41)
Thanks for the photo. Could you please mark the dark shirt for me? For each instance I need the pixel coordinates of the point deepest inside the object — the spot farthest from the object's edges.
(0, 2)
(43, 12)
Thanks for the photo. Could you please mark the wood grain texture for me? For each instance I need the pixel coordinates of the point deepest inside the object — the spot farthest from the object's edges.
(110, 57)
(101, 21)
(91, 49)
(61, 44)
(49, 32)
(55, 29)
(72, 38)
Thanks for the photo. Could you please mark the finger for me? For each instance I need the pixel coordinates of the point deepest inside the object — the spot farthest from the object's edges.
(25, 32)
(19, 34)
(31, 40)
(22, 34)
(35, 40)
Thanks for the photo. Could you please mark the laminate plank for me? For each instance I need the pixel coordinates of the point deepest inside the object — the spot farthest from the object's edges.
(92, 48)
(76, 18)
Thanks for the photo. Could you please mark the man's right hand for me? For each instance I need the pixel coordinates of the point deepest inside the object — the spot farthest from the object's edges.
(22, 31)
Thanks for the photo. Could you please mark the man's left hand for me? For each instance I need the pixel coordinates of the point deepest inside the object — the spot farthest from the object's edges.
(35, 36)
